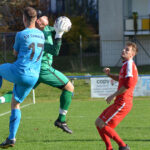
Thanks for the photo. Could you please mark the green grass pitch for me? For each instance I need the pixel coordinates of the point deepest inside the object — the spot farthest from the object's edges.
(37, 131)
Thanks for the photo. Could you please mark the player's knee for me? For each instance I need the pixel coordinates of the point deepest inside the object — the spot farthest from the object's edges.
(99, 123)
(72, 87)
(96, 122)
(14, 104)
(69, 87)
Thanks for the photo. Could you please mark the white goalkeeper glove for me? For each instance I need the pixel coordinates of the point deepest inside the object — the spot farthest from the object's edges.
(61, 25)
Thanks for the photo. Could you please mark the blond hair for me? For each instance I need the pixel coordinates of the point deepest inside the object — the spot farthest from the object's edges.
(134, 46)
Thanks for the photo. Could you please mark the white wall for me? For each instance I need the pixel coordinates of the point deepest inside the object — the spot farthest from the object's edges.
(143, 58)
(141, 6)
(111, 20)
(111, 29)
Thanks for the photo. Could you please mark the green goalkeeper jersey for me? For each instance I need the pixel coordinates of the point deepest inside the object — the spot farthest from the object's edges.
(51, 47)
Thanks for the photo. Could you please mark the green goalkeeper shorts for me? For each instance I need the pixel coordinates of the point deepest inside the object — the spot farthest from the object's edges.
(52, 77)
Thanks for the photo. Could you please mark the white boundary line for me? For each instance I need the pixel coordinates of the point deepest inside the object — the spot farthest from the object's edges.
(10, 111)
(33, 91)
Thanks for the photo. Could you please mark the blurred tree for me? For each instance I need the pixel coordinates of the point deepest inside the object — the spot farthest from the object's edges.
(80, 12)
(92, 14)
(11, 13)
(71, 40)
(88, 9)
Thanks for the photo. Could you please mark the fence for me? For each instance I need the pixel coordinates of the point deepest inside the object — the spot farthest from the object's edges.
(6, 47)
(111, 51)
(83, 55)
(75, 56)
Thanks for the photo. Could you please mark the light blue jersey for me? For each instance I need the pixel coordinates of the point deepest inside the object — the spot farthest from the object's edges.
(24, 72)
(29, 44)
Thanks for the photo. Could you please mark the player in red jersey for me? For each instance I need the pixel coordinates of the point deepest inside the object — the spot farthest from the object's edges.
(122, 105)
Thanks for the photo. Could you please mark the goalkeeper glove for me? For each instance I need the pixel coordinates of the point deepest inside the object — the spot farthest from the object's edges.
(61, 25)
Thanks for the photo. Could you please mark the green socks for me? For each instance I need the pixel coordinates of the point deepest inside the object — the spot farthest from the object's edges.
(6, 98)
(65, 101)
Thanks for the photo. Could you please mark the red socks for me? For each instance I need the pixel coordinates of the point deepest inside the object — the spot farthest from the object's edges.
(105, 138)
(106, 133)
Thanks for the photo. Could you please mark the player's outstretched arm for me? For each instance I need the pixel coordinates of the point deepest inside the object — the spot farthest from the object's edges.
(61, 26)
(113, 76)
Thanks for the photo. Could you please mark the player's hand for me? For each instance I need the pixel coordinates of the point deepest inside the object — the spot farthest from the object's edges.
(107, 70)
(61, 25)
(110, 98)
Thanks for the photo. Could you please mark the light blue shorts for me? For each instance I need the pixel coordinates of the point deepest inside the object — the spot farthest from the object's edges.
(23, 84)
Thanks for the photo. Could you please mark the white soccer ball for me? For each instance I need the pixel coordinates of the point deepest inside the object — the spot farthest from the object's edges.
(63, 23)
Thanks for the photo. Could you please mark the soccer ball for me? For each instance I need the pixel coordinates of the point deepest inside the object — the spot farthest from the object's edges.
(63, 23)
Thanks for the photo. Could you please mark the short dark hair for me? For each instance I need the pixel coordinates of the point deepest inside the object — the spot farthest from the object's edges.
(30, 13)
(134, 46)
(39, 14)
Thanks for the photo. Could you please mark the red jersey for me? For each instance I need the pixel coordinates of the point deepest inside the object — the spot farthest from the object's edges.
(128, 78)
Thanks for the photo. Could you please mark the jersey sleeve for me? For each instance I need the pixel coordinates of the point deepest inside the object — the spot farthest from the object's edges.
(52, 45)
(54, 48)
(16, 44)
(53, 30)
(128, 82)
(129, 69)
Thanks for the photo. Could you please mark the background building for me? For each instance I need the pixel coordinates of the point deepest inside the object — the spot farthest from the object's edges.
(120, 21)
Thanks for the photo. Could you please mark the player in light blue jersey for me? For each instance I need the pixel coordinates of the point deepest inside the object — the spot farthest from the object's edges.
(24, 72)
(28, 45)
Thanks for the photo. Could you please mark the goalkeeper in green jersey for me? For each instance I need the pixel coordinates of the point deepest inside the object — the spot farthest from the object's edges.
(49, 75)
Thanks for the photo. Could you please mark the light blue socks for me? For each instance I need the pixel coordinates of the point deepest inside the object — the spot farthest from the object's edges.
(14, 123)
